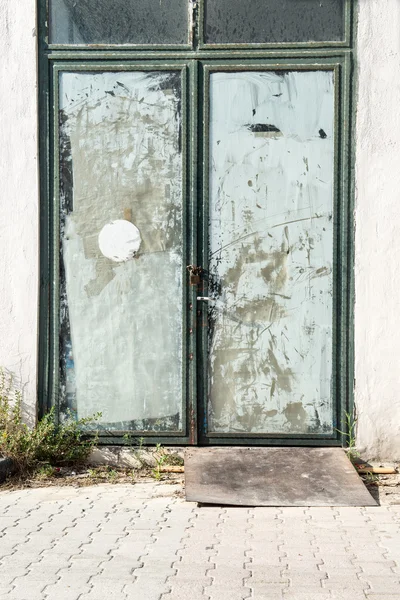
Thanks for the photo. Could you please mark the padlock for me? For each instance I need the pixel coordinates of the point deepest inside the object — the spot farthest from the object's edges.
(194, 279)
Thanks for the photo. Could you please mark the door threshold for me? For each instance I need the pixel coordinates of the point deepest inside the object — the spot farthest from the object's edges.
(249, 476)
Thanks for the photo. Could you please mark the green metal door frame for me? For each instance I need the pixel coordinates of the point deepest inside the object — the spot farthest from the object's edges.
(186, 68)
(198, 60)
(341, 340)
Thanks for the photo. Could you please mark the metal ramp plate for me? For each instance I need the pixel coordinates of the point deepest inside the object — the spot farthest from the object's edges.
(244, 476)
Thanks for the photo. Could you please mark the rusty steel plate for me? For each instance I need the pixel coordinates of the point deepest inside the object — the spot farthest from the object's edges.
(273, 477)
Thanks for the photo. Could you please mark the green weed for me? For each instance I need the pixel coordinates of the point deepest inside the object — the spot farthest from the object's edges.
(350, 435)
(161, 459)
(44, 472)
(370, 478)
(47, 442)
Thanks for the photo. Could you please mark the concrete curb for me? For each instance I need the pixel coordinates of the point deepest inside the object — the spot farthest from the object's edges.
(131, 457)
(7, 467)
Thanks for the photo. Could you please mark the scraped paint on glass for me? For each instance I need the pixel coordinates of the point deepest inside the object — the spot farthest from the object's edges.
(271, 252)
(121, 248)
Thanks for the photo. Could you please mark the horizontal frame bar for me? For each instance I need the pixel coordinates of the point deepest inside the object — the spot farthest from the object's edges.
(119, 54)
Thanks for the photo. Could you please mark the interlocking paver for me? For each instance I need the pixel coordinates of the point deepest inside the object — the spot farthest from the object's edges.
(141, 541)
(388, 584)
(383, 596)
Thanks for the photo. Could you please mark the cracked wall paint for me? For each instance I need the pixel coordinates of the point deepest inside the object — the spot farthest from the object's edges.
(377, 240)
(271, 251)
(121, 316)
(19, 224)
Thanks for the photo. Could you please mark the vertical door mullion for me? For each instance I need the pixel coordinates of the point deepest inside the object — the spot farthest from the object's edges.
(202, 307)
(346, 208)
(192, 254)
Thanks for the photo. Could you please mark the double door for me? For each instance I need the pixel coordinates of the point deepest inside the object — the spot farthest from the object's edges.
(200, 215)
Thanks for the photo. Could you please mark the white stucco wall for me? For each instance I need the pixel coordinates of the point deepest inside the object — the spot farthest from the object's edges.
(377, 310)
(377, 268)
(18, 194)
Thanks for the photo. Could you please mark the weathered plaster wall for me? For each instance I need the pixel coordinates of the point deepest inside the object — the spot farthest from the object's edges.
(377, 309)
(18, 194)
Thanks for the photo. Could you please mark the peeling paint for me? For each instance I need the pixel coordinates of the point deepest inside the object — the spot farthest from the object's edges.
(271, 252)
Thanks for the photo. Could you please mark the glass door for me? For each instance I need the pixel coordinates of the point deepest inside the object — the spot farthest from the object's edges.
(120, 220)
(269, 300)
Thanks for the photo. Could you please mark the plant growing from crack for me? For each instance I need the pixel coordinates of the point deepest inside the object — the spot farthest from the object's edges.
(349, 433)
(370, 478)
(161, 458)
(130, 441)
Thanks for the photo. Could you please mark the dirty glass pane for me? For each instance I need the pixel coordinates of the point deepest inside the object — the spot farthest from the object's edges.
(118, 21)
(271, 252)
(268, 21)
(121, 248)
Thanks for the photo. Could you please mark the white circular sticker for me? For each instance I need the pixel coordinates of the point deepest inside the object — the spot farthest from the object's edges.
(119, 240)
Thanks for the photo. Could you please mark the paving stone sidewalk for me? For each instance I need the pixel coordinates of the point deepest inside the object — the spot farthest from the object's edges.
(143, 542)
